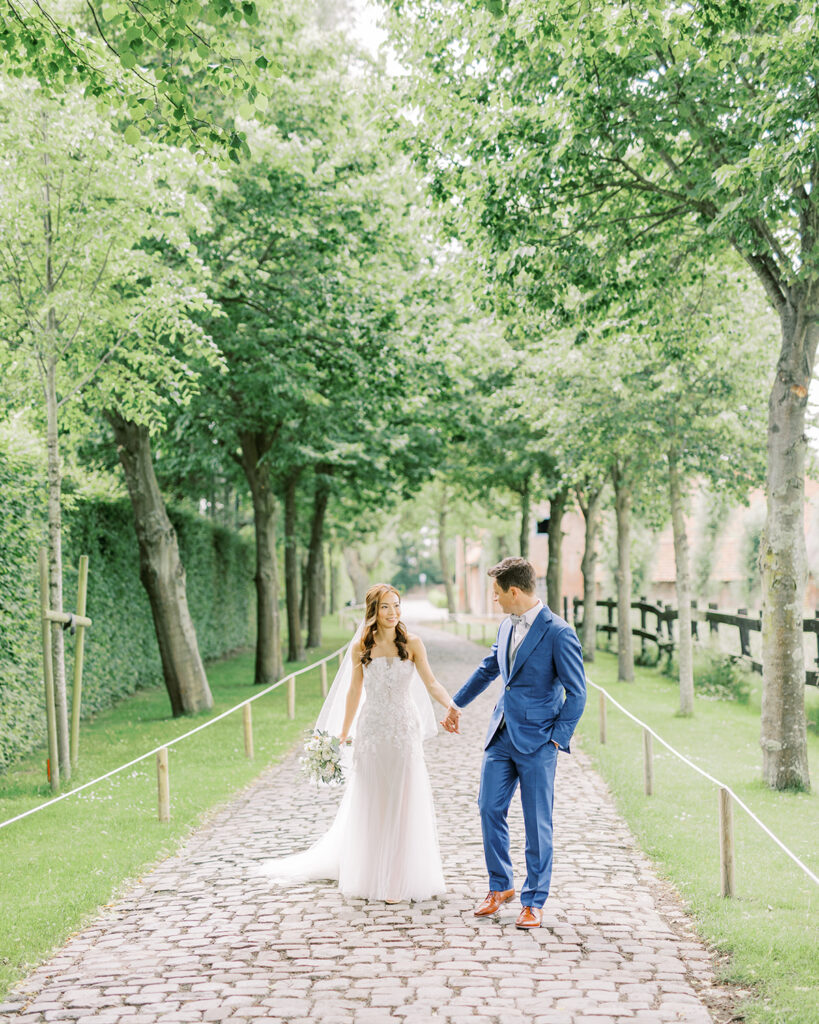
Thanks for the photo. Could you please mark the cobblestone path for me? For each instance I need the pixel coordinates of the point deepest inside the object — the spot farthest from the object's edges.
(202, 939)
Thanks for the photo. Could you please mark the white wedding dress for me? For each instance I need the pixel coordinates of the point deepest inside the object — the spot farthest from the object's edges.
(383, 843)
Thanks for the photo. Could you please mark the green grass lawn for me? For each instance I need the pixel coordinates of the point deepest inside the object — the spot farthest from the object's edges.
(63, 863)
(771, 928)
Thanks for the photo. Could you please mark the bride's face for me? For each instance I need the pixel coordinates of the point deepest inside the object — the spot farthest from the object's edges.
(389, 611)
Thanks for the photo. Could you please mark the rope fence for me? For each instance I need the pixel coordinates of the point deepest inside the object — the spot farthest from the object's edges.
(161, 751)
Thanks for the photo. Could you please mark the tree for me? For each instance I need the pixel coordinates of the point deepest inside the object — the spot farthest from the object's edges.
(316, 256)
(627, 122)
(84, 278)
(153, 61)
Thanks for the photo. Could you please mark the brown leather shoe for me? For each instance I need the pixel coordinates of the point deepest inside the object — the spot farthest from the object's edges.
(529, 917)
(493, 902)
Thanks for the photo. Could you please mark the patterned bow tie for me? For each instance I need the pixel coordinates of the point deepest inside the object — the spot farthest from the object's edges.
(519, 620)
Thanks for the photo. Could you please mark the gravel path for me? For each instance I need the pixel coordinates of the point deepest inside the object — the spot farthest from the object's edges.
(202, 939)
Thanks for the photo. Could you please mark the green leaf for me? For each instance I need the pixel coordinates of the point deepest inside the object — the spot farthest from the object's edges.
(132, 135)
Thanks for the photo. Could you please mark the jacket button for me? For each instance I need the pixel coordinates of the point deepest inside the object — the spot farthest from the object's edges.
(508, 687)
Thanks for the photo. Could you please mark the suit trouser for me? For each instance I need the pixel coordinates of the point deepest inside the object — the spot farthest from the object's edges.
(504, 766)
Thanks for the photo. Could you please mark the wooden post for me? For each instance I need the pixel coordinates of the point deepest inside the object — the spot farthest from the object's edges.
(643, 621)
(648, 763)
(340, 658)
(79, 653)
(291, 698)
(247, 717)
(603, 708)
(726, 843)
(468, 630)
(744, 634)
(48, 676)
(713, 627)
(162, 785)
(483, 634)
(816, 616)
(324, 679)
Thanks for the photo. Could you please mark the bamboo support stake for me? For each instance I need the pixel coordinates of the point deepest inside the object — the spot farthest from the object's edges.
(324, 679)
(291, 697)
(48, 676)
(79, 653)
(726, 843)
(603, 709)
(162, 785)
(648, 763)
(247, 718)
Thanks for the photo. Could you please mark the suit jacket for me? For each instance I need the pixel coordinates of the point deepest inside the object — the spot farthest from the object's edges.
(544, 695)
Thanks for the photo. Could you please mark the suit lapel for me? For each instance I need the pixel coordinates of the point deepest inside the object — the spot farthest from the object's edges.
(532, 638)
(503, 648)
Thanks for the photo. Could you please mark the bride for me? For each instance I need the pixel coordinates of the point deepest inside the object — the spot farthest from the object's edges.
(383, 844)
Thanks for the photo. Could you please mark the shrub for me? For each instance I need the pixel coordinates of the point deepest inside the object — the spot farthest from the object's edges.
(722, 677)
(121, 652)
(716, 676)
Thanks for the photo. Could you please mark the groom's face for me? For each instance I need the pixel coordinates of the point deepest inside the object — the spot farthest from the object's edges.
(505, 599)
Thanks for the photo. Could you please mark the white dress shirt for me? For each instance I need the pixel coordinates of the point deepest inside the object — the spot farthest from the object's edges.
(522, 628)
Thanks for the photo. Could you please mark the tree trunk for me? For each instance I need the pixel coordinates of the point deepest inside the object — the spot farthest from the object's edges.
(525, 516)
(303, 593)
(315, 563)
(590, 507)
(685, 648)
(783, 558)
(269, 666)
(443, 561)
(48, 363)
(357, 573)
(625, 642)
(162, 572)
(554, 570)
(332, 574)
(295, 645)
(55, 559)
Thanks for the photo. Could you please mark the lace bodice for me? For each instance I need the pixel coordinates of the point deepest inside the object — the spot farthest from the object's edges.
(389, 715)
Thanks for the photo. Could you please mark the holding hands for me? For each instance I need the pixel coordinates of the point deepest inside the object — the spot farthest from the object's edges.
(453, 717)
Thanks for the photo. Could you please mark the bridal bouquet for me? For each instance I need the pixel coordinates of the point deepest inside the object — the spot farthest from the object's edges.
(322, 759)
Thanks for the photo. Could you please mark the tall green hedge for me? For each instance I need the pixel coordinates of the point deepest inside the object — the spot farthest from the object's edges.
(121, 652)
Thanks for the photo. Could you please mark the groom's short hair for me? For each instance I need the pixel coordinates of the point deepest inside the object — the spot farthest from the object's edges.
(514, 572)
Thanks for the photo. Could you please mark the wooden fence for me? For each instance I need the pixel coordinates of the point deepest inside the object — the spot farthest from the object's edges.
(665, 617)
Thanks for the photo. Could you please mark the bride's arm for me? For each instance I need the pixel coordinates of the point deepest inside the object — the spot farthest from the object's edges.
(419, 655)
(353, 698)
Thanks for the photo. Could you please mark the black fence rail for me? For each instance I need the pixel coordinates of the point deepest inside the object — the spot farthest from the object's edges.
(664, 618)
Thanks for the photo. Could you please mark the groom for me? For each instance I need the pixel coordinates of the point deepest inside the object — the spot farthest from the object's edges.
(538, 657)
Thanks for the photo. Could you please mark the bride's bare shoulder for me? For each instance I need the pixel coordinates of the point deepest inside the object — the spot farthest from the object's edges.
(414, 643)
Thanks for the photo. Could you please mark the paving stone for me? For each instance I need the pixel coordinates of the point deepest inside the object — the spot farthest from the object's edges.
(203, 938)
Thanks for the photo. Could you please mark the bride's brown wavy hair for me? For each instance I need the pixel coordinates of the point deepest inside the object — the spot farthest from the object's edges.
(372, 600)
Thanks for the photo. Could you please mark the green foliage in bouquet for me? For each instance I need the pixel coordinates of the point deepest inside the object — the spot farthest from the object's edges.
(321, 761)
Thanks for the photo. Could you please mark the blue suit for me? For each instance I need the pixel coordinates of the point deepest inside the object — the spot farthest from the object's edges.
(542, 700)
